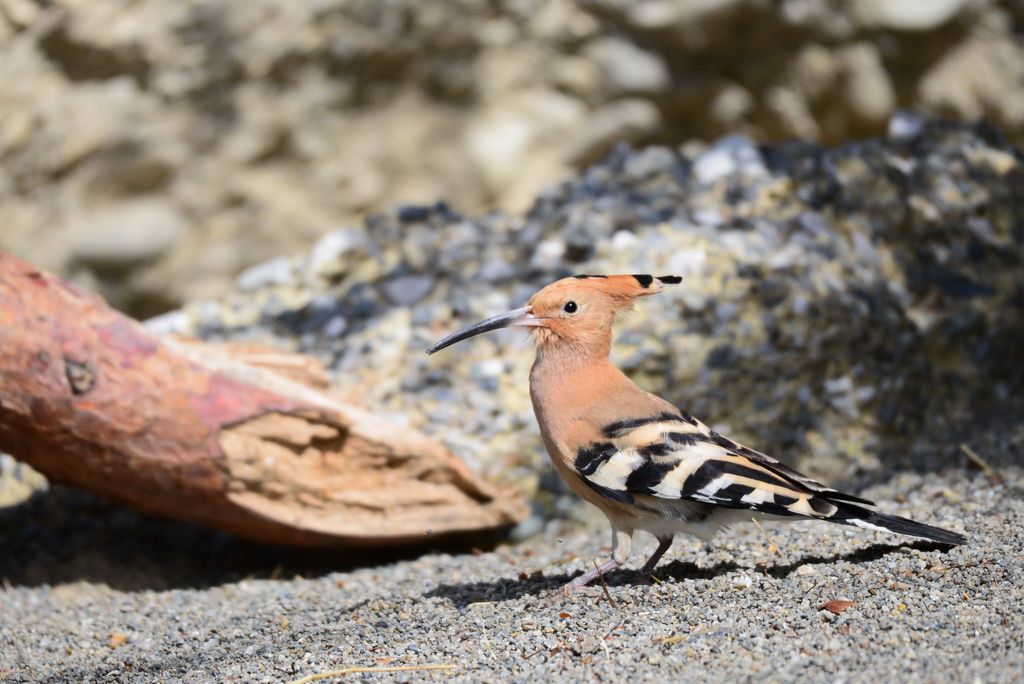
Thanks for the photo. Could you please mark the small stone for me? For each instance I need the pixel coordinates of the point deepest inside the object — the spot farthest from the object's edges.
(549, 253)
(730, 155)
(408, 290)
(497, 142)
(628, 119)
(999, 161)
(495, 270)
(905, 125)
(171, 323)
(628, 69)
(623, 240)
(687, 262)
(671, 14)
(840, 385)
(869, 91)
(732, 104)
(907, 15)
(742, 582)
(18, 481)
(490, 368)
(327, 256)
(21, 13)
(335, 327)
(277, 271)
(125, 235)
(650, 162)
(413, 213)
(530, 527)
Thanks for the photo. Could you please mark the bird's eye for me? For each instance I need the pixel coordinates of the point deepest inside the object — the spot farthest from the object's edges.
(570, 307)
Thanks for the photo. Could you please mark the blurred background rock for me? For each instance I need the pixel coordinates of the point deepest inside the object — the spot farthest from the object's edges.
(153, 150)
(857, 309)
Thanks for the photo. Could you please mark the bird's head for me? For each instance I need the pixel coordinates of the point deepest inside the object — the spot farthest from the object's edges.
(575, 312)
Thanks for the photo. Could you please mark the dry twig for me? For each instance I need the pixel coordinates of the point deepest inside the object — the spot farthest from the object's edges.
(355, 670)
(993, 477)
(772, 546)
(604, 585)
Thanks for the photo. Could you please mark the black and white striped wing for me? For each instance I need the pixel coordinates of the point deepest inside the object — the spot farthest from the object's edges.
(674, 456)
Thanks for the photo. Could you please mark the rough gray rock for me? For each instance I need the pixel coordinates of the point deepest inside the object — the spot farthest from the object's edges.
(265, 125)
(852, 310)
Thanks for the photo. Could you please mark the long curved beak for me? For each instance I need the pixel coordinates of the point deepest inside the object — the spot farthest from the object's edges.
(516, 317)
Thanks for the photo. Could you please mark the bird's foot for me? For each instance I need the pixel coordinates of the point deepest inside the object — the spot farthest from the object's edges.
(646, 575)
(646, 579)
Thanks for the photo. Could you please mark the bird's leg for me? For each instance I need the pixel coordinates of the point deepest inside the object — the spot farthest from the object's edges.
(622, 541)
(663, 545)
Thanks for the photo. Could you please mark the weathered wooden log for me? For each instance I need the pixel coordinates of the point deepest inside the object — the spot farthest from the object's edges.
(212, 435)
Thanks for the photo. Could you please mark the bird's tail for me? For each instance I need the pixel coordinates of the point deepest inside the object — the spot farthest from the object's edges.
(858, 516)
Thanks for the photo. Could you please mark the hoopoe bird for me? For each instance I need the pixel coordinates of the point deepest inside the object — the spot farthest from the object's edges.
(643, 462)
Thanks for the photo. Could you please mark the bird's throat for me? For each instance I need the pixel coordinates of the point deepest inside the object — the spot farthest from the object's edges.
(561, 373)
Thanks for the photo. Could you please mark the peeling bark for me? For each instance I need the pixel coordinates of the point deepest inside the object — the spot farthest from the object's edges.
(235, 437)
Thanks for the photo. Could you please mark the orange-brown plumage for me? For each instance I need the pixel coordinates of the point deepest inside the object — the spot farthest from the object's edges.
(643, 462)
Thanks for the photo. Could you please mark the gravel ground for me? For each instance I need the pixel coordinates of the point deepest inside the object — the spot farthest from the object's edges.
(94, 592)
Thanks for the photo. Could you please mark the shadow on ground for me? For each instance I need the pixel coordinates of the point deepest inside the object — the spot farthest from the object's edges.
(63, 535)
(462, 595)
